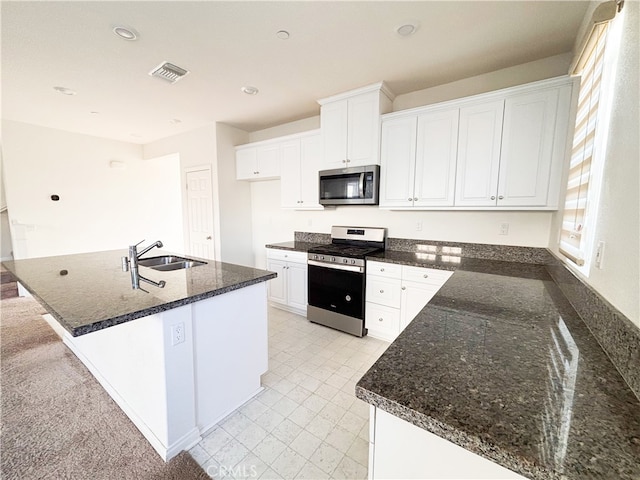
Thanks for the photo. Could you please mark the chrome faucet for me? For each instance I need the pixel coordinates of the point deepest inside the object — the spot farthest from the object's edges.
(132, 263)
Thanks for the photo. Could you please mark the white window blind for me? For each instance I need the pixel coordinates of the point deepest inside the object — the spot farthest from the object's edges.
(575, 223)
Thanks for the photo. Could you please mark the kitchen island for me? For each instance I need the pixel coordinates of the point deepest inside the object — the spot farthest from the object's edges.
(176, 358)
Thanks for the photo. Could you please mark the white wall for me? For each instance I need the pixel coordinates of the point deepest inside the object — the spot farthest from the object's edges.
(235, 199)
(6, 247)
(212, 146)
(272, 224)
(100, 208)
(618, 221)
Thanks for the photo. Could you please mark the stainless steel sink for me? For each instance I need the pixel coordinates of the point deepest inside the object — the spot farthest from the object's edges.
(169, 262)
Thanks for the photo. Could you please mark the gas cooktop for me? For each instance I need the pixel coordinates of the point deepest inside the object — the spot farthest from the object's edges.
(343, 250)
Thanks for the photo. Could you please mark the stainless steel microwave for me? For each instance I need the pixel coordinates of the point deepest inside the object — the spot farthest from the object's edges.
(350, 186)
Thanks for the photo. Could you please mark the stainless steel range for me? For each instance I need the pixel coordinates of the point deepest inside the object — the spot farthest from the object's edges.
(336, 277)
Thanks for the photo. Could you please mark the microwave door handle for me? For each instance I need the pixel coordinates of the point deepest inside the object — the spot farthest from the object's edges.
(362, 185)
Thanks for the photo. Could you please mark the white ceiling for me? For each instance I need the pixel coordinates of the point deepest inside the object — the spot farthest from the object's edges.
(333, 47)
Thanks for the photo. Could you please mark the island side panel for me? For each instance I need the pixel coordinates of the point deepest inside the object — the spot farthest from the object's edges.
(230, 335)
(150, 379)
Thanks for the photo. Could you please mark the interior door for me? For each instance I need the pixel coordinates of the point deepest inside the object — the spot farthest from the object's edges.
(200, 213)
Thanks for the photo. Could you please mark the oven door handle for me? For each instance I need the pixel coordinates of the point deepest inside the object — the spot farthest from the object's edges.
(362, 185)
(337, 266)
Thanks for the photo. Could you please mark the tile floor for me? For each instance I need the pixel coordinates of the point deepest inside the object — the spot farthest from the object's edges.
(307, 423)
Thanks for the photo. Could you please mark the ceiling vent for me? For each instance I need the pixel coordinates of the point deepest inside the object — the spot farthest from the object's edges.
(169, 72)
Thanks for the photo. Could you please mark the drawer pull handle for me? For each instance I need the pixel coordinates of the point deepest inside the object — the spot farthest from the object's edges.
(404, 288)
(382, 269)
(426, 276)
(381, 319)
(381, 291)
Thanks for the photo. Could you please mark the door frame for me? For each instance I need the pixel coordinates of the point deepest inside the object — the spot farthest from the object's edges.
(215, 221)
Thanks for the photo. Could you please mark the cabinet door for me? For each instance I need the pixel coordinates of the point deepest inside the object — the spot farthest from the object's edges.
(397, 162)
(333, 124)
(479, 154)
(310, 164)
(413, 299)
(290, 194)
(362, 129)
(297, 285)
(268, 161)
(527, 148)
(436, 154)
(277, 287)
(246, 164)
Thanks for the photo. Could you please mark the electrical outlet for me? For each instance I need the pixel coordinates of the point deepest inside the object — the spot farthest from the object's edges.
(600, 255)
(418, 226)
(177, 333)
(504, 228)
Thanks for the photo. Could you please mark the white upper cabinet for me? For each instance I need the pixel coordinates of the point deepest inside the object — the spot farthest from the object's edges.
(527, 148)
(258, 162)
(479, 154)
(397, 161)
(418, 158)
(350, 126)
(301, 161)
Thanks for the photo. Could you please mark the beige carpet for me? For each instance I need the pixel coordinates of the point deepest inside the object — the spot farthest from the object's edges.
(57, 421)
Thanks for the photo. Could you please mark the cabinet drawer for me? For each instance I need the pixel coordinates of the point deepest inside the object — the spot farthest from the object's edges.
(383, 291)
(382, 269)
(381, 321)
(287, 255)
(429, 276)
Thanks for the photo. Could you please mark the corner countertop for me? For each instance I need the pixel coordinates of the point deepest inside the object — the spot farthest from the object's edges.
(89, 291)
(500, 363)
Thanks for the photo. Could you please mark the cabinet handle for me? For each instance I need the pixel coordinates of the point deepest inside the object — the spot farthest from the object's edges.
(382, 269)
(381, 319)
(415, 199)
(404, 288)
(208, 237)
(409, 198)
(344, 161)
(381, 291)
(500, 197)
(426, 276)
(493, 197)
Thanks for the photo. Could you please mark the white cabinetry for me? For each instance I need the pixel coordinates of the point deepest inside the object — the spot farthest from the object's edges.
(289, 290)
(350, 126)
(418, 159)
(499, 150)
(399, 449)
(395, 294)
(258, 161)
(301, 161)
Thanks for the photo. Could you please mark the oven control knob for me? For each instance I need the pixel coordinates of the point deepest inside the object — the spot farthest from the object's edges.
(345, 260)
(321, 257)
(315, 257)
(333, 259)
(348, 298)
(353, 261)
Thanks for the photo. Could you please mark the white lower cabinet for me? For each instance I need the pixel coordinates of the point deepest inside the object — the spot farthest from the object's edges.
(395, 295)
(399, 449)
(288, 290)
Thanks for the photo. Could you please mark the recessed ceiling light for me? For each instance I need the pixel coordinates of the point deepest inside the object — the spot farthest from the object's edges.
(126, 33)
(175, 121)
(407, 29)
(282, 34)
(64, 90)
(249, 90)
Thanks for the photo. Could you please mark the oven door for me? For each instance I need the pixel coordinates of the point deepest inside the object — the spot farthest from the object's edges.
(337, 290)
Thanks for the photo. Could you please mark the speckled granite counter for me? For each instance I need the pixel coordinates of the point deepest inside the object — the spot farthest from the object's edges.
(500, 363)
(89, 291)
(296, 246)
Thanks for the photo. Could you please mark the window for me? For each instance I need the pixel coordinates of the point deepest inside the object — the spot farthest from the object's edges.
(596, 67)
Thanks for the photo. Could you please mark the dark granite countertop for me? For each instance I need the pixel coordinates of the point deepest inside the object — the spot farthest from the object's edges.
(294, 246)
(500, 363)
(89, 291)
